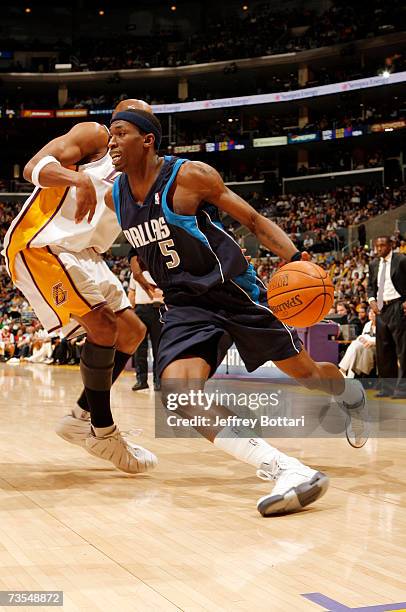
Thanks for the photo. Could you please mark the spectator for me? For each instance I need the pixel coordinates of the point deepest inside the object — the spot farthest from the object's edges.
(343, 310)
(147, 309)
(23, 342)
(359, 358)
(387, 297)
(7, 345)
(308, 242)
(354, 320)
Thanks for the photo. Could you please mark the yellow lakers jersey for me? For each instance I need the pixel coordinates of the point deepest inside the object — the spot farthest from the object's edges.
(48, 218)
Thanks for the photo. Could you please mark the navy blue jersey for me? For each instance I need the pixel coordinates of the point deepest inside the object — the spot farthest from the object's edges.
(187, 255)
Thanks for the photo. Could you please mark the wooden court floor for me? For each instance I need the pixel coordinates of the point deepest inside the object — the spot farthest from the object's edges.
(188, 536)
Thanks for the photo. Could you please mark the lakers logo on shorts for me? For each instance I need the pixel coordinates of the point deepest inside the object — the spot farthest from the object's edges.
(59, 295)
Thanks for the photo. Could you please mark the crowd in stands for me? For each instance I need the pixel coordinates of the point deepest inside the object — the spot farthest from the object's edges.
(341, 161)
(240, 169)
(259, 31)
(22, 338)
(238, 125)
(316, 223)
(357, 116)
(229, 35)
(138, 53)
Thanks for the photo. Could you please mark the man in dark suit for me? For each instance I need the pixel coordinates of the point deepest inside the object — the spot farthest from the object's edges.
(387, 297)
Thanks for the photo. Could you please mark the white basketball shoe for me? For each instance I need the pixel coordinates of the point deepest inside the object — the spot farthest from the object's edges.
(76, 429)
(357, 426)
(126, 456)
(296, 486)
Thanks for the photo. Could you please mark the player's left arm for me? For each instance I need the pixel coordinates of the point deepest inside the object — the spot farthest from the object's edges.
(204, 183)
(139, 277)
(131, 297)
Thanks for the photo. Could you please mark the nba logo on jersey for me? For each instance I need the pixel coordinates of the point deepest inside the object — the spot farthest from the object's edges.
(157, 199)
(59, 295)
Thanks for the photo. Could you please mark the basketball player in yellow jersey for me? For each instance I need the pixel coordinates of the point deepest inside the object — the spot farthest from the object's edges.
(52, 252)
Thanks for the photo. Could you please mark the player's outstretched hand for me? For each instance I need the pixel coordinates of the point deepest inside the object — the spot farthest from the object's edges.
(306, 256)
(149, 288)
(86, 200)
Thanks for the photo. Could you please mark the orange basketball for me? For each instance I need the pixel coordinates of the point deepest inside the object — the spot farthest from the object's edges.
(300, 293)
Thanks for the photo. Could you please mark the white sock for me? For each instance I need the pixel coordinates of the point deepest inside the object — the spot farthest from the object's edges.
(103, 432)
(241, 443)
(353, 392)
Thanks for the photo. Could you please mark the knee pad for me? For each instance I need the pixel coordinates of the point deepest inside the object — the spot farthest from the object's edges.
(96, 366)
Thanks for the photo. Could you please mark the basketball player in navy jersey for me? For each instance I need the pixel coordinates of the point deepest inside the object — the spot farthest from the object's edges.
(168, 210)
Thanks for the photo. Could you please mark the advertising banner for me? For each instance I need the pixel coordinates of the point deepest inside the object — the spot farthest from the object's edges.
(37, 114)
(272, 141)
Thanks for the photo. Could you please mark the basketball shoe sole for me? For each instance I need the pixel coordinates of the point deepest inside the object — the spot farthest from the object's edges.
(296, 487)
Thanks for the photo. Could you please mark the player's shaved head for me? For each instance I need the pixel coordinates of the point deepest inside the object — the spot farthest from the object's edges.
(132, 104)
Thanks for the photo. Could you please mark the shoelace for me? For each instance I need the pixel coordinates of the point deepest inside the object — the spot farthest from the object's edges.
(125, 433)
(277, 466)
(134, 433)
(131, 432)
(272, 473)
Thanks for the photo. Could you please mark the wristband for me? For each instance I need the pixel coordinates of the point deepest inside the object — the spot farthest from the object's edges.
(48, 159)
(296, 256)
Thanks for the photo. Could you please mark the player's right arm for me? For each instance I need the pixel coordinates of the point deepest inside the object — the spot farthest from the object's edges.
(82, 141)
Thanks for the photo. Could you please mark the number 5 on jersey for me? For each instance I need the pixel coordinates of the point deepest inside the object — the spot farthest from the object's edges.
(167, 251)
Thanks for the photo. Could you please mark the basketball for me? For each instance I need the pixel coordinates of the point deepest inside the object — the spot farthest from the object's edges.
(300, 293)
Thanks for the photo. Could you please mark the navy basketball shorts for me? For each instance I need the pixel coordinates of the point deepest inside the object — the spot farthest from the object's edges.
(192, 331)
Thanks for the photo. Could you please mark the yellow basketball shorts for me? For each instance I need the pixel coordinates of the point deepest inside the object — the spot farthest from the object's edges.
(61, 285)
